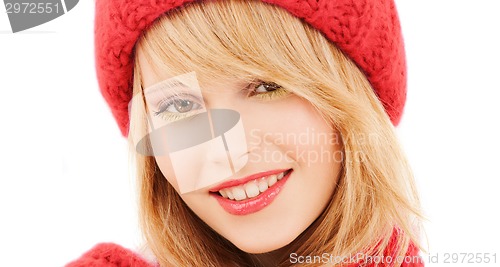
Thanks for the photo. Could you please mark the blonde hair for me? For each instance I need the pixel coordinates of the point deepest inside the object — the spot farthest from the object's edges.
(375, 194)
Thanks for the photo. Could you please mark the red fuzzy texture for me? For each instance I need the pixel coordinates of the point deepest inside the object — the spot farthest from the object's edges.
(110, 255)
(368, 31)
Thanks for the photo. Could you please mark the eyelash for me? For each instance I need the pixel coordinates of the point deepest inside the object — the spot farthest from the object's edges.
(172, 116)
(278, 93)
(251, 88)
(168, 116)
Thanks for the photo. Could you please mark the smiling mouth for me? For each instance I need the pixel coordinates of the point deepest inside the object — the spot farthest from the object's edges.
(252, 188)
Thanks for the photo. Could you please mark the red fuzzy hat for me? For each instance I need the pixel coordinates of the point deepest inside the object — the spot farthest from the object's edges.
(367, 31)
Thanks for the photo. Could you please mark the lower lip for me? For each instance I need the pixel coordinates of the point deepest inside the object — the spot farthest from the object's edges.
(255, 204)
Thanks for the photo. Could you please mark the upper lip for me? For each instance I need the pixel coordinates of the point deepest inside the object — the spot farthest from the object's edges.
(243, 180)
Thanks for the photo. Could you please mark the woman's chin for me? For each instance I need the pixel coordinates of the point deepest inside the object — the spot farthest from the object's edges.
(262, 246)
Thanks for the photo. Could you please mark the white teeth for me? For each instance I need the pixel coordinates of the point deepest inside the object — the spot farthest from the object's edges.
(239, 193)
(263, 185)
(272, 180)
(252, 189)
(229, 194)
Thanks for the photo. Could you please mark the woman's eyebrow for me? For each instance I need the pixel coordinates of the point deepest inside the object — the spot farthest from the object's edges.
(171, 88)
(163, 85)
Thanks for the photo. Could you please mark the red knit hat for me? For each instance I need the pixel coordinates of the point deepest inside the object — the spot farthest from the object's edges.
(368, 31)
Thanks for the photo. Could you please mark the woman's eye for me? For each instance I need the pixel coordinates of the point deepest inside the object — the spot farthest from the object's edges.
(267, 91)
(180, 106)
(265, 87)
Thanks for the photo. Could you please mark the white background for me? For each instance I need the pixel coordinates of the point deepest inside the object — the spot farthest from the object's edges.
(65, 178)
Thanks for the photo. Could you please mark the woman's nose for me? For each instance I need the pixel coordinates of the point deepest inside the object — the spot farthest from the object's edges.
(227, 125)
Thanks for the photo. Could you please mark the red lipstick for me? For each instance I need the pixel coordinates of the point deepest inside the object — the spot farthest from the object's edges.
(254, 204)
(244, 180)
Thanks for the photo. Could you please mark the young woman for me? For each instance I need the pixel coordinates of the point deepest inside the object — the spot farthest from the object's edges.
(262, 131)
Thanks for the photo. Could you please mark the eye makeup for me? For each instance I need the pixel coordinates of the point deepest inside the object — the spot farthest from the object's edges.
(179, 106)
(266, 90)
(173, 100)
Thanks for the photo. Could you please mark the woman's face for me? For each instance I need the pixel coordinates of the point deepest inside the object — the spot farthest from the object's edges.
(292, 163)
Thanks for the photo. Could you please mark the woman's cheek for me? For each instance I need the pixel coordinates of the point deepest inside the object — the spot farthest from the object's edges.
(167, 170)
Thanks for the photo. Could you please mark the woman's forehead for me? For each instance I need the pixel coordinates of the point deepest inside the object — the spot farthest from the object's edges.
(154, 82)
